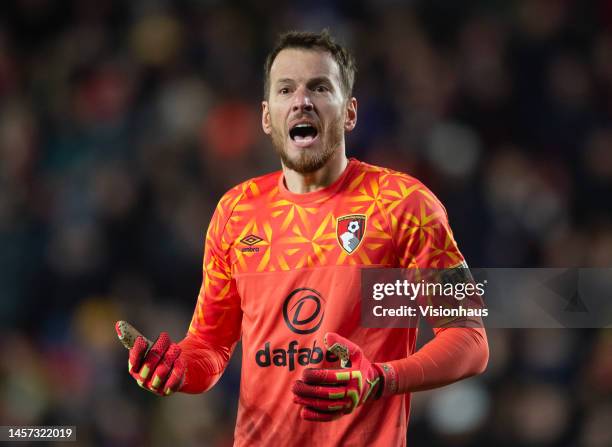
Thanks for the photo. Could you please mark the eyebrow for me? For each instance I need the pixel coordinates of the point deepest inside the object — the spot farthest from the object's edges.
(319, 80)
(314, 80)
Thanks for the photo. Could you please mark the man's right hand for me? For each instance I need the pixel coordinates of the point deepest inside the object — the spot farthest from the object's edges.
(156, 367)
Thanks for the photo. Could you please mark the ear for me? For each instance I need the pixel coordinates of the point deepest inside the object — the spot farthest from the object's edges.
(266, 124)
(350, 118)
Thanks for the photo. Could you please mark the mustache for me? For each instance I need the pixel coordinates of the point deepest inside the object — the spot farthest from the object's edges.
(303, 115)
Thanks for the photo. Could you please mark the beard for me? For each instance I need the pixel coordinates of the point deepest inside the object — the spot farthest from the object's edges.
(310, 160)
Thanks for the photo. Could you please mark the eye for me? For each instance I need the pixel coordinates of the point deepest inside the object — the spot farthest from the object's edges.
(321, 88)
(283, 91)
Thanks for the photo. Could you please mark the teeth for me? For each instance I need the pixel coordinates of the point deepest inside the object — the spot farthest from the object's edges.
(303, 125)
(307, 139)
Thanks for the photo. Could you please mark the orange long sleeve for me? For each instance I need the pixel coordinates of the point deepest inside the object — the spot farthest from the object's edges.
(204, 364)
(453, 354)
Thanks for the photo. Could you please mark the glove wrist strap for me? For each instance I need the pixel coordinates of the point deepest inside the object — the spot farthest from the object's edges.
(388, 375)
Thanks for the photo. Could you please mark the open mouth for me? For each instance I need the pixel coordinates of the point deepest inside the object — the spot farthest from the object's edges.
(303, 134)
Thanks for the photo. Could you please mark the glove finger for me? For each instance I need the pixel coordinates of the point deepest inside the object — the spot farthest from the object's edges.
(347, 351)
(331, 338)
(303, 389)
(162, 372)
(325, 405)
(154, 355)
(136, 354)
(316, 376)
(144, 386)
(309, 414)
(176, 379)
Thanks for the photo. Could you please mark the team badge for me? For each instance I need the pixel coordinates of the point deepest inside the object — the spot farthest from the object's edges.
(350, 230)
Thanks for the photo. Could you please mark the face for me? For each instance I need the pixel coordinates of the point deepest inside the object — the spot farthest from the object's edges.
(307, 113)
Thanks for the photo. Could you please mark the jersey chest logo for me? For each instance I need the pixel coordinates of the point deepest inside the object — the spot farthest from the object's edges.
(350, 230)
(250, 240)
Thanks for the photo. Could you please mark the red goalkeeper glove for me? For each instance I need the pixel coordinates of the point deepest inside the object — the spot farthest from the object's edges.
(327, 394)
(156, 367)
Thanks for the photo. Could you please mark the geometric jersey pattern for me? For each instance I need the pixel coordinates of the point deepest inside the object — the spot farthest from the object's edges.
(245, 284)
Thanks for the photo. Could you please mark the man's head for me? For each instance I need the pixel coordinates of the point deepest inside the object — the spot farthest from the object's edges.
(308, 104)
(314, 41)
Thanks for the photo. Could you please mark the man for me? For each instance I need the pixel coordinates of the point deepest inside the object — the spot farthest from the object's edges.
(282, 272)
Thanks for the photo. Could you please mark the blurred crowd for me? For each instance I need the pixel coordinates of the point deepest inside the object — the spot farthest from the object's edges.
(122, 123)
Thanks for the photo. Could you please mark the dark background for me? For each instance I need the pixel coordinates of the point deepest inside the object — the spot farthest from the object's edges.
(122, 123)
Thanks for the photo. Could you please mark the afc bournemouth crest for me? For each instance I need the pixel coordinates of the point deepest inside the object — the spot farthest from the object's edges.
(350, 230)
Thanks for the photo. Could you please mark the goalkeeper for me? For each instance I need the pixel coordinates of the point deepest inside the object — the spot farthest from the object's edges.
(281, 272)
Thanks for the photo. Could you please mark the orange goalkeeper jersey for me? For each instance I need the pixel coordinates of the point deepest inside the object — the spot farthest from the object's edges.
(282, 269)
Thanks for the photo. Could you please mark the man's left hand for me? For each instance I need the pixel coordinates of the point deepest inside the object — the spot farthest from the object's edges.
(327, 394)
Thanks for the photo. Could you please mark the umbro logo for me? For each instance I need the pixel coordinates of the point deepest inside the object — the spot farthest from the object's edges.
(250, 240)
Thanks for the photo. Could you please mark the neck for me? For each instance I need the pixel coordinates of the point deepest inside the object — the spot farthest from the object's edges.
(302, 183)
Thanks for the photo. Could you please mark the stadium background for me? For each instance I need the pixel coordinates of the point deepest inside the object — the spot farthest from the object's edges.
(122, 123)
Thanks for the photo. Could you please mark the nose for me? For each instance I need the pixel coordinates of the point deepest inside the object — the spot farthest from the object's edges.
(302, 100)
